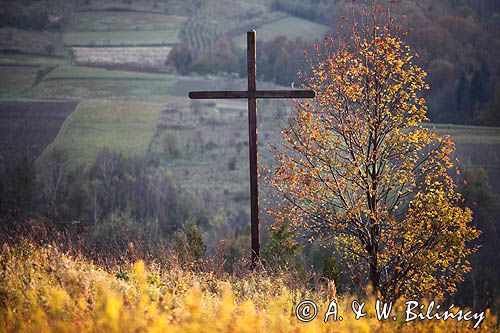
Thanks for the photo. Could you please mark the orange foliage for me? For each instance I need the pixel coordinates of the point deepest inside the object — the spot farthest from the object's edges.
(360, 169)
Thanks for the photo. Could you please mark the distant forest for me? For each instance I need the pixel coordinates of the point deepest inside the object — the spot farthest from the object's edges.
(458, 42)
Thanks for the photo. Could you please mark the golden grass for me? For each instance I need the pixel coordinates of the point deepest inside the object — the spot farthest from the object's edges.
(42, 290)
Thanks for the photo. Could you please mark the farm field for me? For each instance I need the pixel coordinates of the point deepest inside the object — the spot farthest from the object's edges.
(124, 20)
(14, 59)
(119, 28)
(136, 57)
(20, 72)
(121, 38)
(80, 72)
(31, 42)
(27, 127)
(122, 126)
(291, 27)
(87, 82)
(177, 7)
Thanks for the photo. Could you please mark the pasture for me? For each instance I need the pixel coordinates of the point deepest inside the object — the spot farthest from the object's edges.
(120, 28)
(121, 38)
(124, 20)
(18, 59)
(87, 82)
(212, 142)
(20, 72)
(122, 126)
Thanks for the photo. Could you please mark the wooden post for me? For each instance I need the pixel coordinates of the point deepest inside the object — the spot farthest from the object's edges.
(252, 141)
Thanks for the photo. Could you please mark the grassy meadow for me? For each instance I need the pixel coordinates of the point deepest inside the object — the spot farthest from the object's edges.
(121, 38)
(108, 28)
(30, 60)
(124, 20)
(86, 82)
(44, 289)
(122, 126)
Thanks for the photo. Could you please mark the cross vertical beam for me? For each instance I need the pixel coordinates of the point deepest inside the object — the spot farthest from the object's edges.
(252, 94)
(253, 140)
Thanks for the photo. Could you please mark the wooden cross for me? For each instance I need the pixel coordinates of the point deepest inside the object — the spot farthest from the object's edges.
(252, 94)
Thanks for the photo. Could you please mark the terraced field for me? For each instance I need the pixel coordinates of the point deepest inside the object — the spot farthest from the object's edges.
(20, 72)
(122, 126)
(202, 34)
(15, 59)
(215, 22)
(85, 82)
(125, 20)
(121, 38)
(118, 28)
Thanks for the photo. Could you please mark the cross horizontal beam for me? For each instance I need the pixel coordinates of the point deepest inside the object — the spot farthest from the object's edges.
(252, 94)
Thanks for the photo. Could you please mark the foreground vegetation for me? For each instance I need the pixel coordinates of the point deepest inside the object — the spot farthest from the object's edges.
(43, 289)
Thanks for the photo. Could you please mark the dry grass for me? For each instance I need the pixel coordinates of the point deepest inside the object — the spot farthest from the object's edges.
(45, 290)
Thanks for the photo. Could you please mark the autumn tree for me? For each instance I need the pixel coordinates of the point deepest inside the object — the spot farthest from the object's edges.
(360, 168)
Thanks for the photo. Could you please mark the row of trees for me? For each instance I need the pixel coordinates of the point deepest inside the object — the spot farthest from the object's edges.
(36, 15)
(116, 198)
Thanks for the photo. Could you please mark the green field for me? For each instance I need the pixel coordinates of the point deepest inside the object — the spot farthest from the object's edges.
(108, 28)
(291, 27)
(123, 20)
(81, 72)
(85, 82)
(30, 60)
(19, 72)
(122, 126)
(121, 38)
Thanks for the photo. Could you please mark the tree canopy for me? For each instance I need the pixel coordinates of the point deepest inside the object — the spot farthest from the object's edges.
(360, 168)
